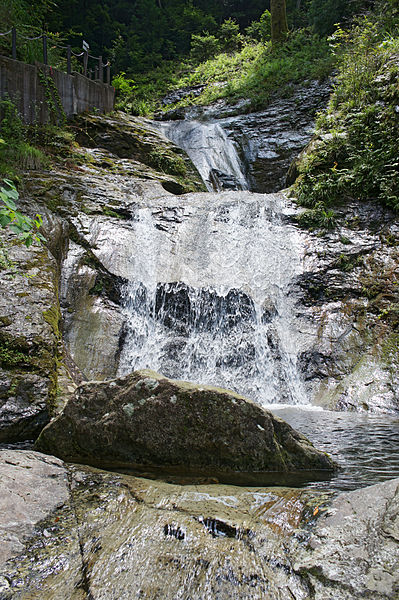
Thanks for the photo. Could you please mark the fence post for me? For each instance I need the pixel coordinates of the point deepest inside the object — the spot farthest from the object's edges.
(100, 69)
(14, 43)
(96, 72)
(45, 61)
(108, 74)
(69, 65)
(85, 61)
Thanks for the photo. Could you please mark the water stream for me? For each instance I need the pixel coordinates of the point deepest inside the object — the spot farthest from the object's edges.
(211, 299)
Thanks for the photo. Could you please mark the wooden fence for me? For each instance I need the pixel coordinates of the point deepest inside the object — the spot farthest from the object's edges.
(42, 92)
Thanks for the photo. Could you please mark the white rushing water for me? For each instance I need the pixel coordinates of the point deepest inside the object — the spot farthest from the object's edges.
(212, 152)
(209, 294)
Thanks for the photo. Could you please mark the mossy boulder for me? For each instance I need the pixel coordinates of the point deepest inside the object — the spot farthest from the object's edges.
(137, 139)
(145, 419)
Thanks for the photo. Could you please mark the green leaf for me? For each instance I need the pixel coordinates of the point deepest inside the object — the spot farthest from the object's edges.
(4, 220)
(8, 202)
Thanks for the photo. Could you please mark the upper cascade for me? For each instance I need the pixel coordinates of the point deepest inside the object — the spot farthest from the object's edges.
(211, 151)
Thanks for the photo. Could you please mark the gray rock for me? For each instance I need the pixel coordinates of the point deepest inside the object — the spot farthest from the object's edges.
(353, 550)
(29, 334)
(269, 140)
(146, 420)
(32, 487)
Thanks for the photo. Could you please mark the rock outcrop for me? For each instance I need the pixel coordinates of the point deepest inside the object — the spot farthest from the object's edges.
(146, 420)
(71, 289)
(29, 338)
(267, 141)
(79, 533)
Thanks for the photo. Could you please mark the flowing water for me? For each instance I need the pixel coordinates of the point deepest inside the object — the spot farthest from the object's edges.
(212, 152)
(211, 299)
(209, 295)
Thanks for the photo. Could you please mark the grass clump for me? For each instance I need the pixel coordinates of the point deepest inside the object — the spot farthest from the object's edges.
(318, 217)
(355, 156)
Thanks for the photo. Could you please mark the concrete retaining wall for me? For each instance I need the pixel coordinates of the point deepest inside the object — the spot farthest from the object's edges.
(78, 94)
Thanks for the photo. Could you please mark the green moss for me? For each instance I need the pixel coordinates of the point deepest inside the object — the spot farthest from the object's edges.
(52, 316)
(13, 355)
(109, 212)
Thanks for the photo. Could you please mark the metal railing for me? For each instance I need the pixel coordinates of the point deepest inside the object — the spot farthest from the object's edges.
(97, 72)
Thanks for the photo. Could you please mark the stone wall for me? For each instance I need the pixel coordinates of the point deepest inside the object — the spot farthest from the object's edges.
(77, 93)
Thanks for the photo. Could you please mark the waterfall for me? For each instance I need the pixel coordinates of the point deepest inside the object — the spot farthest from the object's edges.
(212, 152)
(209, 294)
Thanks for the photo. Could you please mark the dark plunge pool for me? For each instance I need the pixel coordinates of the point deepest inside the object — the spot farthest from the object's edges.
(366, 446)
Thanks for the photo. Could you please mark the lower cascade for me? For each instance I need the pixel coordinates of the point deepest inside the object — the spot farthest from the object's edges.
(209, 295)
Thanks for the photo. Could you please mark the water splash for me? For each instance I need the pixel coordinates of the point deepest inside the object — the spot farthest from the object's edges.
(209, 295)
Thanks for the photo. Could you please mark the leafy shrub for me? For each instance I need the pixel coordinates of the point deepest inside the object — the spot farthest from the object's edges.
(357, 156)
(123, 90)
(25, 227)
(229, 36)
(260, 30)
(204, 46)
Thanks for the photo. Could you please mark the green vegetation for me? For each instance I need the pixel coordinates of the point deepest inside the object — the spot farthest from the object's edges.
(318, 217)
(13, 355)
(15, 150)
(254, 72)
(156, 47)
(29, 19)
(25, 227)
(356, 154)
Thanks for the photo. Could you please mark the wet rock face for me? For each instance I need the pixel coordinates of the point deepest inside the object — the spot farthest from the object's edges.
(76, 532)
(29, 319)
(271, 139)
(135, 139)
(145, 419)
(358, 535)
(173, 308)
(348, 296)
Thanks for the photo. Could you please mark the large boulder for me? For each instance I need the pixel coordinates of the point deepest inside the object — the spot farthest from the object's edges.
(144, 419)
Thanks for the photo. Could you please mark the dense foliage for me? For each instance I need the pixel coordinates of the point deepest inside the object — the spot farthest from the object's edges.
(356, 153)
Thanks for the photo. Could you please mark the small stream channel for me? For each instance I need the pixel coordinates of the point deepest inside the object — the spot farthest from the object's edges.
(212, 298)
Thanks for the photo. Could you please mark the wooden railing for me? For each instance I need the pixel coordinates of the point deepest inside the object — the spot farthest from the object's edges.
(96, 73)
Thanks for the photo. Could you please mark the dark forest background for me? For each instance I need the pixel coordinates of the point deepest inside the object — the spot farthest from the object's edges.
(137, 35)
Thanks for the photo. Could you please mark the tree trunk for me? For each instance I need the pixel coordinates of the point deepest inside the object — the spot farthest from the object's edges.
(279, 27)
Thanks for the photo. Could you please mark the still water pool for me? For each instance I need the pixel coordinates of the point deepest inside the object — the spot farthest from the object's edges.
(366, 446)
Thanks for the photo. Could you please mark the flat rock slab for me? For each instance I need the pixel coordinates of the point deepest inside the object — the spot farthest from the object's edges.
(32, 486)
(81, 533)
(144, 420)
